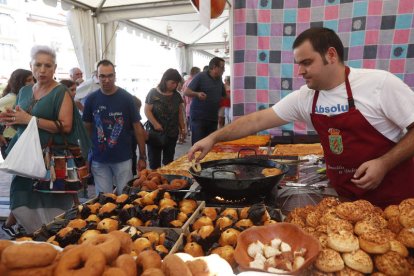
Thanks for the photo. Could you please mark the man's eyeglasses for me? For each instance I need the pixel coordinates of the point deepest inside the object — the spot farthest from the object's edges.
(109, 77)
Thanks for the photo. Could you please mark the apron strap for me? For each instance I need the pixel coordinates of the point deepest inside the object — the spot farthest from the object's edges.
(351, 102)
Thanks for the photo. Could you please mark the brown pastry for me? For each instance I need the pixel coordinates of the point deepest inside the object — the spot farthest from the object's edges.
(406, 236)
(210, 212)
(398, 247)
(172, 265)
(347, 271)
(391, 211)
(121, 198)
(226, 252)
(406, 217)
(205, 231)
(134, 221)
(224, 222)
(107, 208)
(88, 234)
(77, 223)
(182, 217)
(93, 218)
(394, 224)
(152, 236)
(108, 225)
(194, 249)
(377, 242)
(230, 212)
(358, 260)
(343, 241)
(392, 263)
(329, 260)
(354, 211)
(244, 213)
(229, 237)
(202, 221)
(140, 245)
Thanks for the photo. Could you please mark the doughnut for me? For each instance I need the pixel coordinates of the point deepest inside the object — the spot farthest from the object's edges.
(148, 259)
(127, 263)
(80, 261)
(153, 272)
(124, 239)
(176, 184)
(108, 244)
(392, 263)
(27, 255)
(173, 266)
(359, 260)
(4, 244)
(195, 166)
(32, 271)
(114, 271)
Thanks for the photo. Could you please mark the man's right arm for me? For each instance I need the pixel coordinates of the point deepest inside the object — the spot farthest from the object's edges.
(242, 127)
(88, 127)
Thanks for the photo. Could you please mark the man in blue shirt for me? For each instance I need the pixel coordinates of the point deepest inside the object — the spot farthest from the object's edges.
(206, 89)
(112, 118)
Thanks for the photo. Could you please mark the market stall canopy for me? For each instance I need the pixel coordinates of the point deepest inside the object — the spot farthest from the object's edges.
(174, 21)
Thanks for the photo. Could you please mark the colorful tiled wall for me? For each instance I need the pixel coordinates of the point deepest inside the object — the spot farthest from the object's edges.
(376, 34)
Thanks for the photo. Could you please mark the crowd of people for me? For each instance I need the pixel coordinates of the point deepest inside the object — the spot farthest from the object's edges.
(97, 113)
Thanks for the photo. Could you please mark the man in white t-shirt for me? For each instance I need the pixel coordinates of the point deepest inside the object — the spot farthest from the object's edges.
(364, 119)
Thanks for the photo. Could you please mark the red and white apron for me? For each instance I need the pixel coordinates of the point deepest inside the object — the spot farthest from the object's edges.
(348, 140)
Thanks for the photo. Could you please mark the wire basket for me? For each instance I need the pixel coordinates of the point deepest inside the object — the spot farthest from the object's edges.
(291, 197)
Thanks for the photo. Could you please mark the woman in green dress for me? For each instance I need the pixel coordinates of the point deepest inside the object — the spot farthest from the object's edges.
(48, 101)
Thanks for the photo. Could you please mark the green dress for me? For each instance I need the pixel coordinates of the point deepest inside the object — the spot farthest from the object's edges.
(21, 190)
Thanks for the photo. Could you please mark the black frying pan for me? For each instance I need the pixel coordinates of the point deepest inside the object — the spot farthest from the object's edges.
(238, 178)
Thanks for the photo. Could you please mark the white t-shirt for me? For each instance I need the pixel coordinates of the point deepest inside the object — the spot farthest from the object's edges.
(382, 98)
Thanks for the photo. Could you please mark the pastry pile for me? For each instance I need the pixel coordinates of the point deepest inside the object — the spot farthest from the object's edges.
(358, 238)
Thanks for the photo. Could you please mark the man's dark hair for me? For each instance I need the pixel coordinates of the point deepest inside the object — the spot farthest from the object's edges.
(215, 62)
(170, 74)
(105, 62)
(321, 39)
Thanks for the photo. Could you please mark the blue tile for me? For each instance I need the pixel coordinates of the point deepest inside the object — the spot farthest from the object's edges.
(262, 83)
(360, 8)
(403, 21)
(263, 29)
(289, 16)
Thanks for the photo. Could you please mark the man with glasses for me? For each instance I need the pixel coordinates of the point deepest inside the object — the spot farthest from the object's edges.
(206, 89)
(112, 118)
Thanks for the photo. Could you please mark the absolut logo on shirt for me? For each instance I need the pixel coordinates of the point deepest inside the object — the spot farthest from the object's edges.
(339, 108)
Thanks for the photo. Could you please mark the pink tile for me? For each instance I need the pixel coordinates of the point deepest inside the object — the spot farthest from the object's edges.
(331, 12)
(397, 65)
(262, 96)
(239, 42)
(263, 16)
(238, 96)
(371, 37)
(238, 69)
(240, 15)
(369, 63)
(263, 42)
(262, 69)
(401, 36)
(406, 6)
(303, 15)
(375, 7)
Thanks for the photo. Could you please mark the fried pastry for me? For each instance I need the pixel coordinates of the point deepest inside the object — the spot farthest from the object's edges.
(392, 263)
(329, 260)
(406, 236)
(347, 271)
(343, 241)
(352, 211)
(377, 242)
(391, 211)
(358, 260)
(398, 247)
(406, 217)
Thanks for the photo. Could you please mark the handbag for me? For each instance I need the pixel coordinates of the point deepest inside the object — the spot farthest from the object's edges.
(26, 158)
(66, 167)
(155, 138)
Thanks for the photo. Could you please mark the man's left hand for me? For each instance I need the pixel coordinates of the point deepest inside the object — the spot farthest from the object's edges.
(370, 174)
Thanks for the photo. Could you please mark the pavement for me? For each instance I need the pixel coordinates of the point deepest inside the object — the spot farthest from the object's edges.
(5, 180)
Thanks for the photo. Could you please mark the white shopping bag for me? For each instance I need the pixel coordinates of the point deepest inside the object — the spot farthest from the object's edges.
(26, 157)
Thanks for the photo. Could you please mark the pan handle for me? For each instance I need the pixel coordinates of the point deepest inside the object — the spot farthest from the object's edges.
(218, 171)
(246, 149)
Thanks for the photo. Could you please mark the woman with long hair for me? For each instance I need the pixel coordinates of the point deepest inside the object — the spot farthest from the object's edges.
(164, 109)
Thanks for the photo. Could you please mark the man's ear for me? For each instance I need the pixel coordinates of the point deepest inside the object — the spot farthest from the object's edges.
(332, 55)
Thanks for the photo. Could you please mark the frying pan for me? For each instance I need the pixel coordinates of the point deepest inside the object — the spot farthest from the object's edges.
(238, 178)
